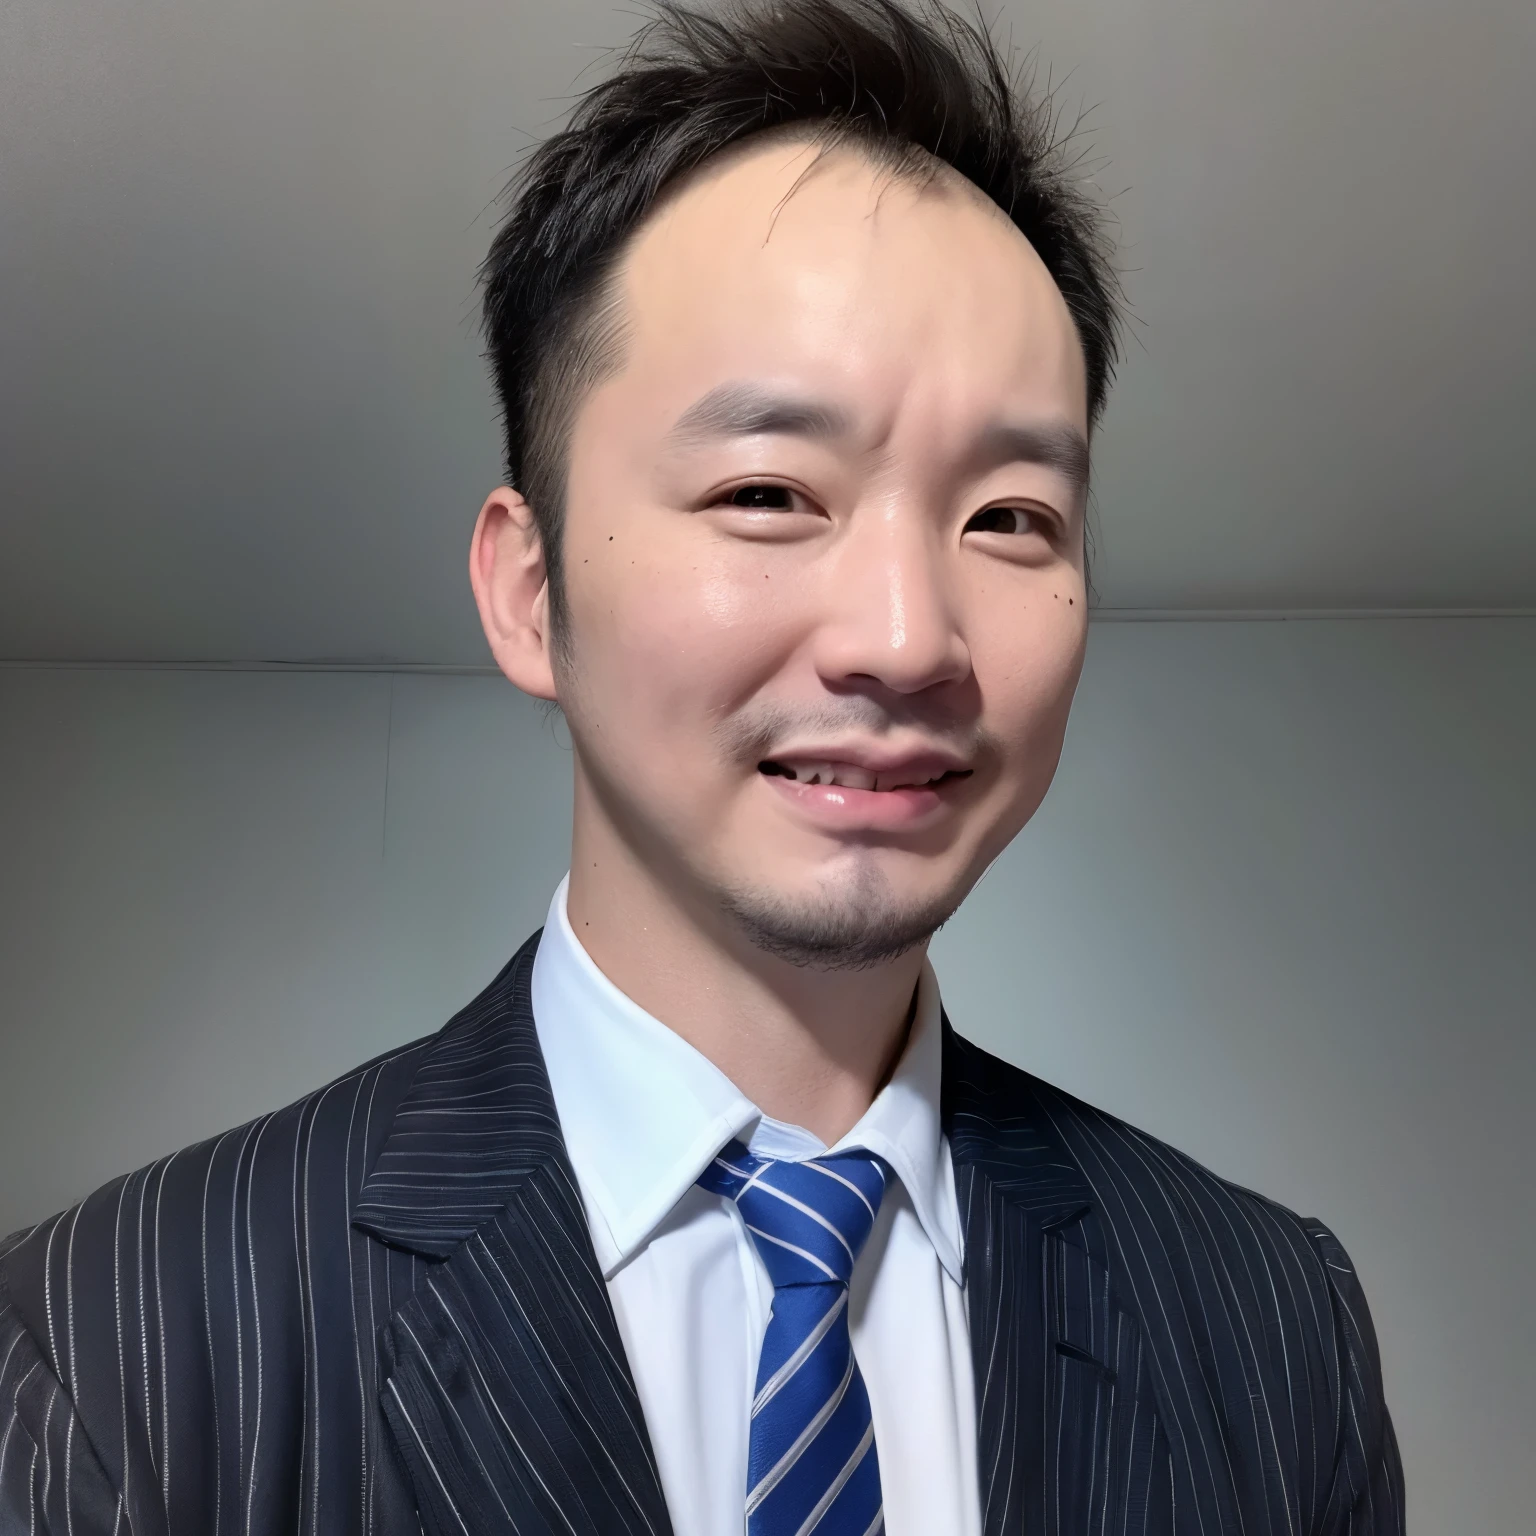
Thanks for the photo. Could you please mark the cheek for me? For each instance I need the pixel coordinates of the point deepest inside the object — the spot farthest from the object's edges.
(729, 603)
(677, 636)
(1028, 688)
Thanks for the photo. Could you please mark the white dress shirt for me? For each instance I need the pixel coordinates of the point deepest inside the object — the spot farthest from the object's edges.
(643, 1113)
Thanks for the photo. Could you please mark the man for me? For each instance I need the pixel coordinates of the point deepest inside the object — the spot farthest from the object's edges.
(701, 1218)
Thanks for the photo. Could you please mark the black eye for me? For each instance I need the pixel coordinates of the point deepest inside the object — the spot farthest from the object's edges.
(1003, 520)
(766, 498)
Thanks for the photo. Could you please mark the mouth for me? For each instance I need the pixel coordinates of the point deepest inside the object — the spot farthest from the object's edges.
(846, 775)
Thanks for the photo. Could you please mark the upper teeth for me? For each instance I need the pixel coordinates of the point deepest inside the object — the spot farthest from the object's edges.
(851, 777)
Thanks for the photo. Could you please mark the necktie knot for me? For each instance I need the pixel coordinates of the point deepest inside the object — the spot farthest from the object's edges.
(809, 1220)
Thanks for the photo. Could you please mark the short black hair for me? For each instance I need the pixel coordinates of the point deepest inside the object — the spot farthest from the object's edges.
(894, 81)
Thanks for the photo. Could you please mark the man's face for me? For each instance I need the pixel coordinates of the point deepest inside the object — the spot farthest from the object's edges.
(824, 551)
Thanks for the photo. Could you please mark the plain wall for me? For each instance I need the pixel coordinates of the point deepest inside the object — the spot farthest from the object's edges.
(1279, 908)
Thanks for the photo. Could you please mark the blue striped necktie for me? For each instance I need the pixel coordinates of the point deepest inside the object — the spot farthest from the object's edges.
(811, 1461)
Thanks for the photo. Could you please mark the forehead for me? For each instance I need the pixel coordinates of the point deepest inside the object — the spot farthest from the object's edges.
(814, 266)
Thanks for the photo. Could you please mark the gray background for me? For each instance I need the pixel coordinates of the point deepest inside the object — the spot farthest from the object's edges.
(1279, 907)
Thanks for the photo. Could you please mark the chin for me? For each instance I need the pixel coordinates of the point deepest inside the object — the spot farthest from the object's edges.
(853, 921)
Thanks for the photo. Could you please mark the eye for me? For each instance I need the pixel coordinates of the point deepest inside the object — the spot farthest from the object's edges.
(762, 498)
(1008, 520)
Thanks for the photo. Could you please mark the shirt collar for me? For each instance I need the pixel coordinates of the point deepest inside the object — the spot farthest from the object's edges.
(643, 1112)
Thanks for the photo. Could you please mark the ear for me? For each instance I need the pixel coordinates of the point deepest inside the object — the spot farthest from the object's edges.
(506, 570)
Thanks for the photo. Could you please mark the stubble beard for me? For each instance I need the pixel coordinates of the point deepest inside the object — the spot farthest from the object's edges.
(855, 928)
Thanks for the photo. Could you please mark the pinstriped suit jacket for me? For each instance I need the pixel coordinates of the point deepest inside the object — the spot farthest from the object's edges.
(378, 1310)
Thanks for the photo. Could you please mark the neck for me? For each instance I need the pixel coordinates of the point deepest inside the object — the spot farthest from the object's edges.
(810, 1047)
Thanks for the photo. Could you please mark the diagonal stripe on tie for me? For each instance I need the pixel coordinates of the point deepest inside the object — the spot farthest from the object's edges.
(807, 1210)
(786, 1463)
(802, 1352)
(826, 1501)
(800, 1253)
(813, 1467)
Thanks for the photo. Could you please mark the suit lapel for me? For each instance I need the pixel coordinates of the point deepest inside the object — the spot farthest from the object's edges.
(1068, 1438)
(505, 1387)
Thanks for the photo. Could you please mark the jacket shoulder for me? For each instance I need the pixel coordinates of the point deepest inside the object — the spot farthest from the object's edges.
(172, 1199)
(1138, 1181)
(128, 1296)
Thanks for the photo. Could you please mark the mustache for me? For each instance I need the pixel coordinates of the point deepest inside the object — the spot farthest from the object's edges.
(752, 732)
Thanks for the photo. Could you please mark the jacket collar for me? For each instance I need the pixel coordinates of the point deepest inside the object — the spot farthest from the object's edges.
(1064, 1405)
(477, 1119)
(998, 1134)
(506, 1389)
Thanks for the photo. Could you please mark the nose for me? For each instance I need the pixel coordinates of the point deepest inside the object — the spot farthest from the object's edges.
(890, 615)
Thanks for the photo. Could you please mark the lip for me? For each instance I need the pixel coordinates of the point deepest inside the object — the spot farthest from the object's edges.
(839, 809)
(922, 763)
(835, 808)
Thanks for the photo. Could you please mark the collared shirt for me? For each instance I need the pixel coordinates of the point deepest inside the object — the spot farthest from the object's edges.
(643, 1113)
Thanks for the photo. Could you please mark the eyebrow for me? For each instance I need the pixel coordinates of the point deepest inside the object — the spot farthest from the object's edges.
(745, 409)
(1053, 445)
